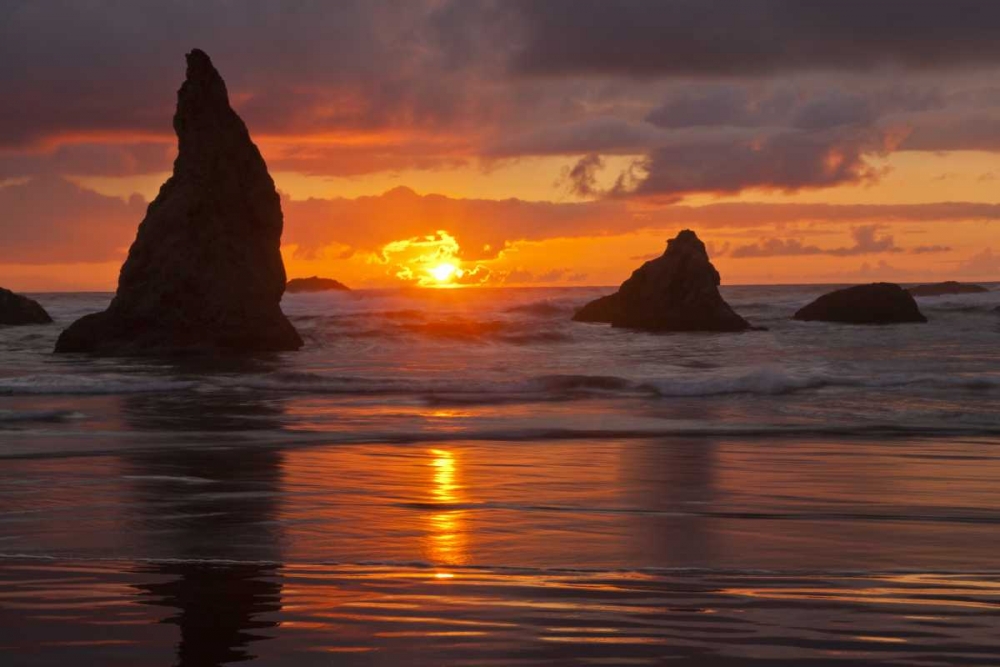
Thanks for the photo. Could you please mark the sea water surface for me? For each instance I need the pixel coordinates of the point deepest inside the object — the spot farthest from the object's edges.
(466, 477)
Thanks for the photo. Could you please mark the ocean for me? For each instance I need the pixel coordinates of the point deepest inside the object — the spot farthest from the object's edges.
(466, 477)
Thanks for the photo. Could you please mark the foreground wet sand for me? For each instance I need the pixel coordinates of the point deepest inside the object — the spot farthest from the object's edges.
(122, 613)
(658, 551)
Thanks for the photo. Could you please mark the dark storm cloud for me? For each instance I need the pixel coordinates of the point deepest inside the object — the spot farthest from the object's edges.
(592, 135)
(786, 160)
(293, 66)
(817, 107)
(736, 37)
(361, 86)
(727, 137)
(956, 131)
(778, 136)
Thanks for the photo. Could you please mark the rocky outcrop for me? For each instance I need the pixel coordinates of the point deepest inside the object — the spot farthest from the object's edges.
(678, 291)
(314, 284)
(204, 272)
(877, 303)
(947, 287)
(16, 310)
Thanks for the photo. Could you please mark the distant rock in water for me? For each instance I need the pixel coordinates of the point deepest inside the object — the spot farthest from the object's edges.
(16, 310)
(205, 272)
(947, 287)
(678, 291)
(314, 284)
(877, 303)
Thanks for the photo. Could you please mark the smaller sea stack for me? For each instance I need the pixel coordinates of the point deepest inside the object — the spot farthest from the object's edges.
(16, 310)
(678, 291)
(314, 284)
(877, 303)
(947, 287)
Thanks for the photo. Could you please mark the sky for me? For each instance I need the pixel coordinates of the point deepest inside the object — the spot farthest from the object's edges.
(518, 143)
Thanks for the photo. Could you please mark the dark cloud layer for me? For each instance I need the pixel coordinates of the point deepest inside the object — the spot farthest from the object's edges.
(797, 107)
(736, 37)
(785, 160)
(296, 67)
(706, 95)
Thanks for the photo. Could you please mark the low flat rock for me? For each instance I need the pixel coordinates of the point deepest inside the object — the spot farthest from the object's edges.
(947, 287)
(877, 303)
(16, 310)
(314, 284)
(678, 291)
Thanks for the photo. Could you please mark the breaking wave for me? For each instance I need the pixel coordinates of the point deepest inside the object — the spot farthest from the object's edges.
(757, 381)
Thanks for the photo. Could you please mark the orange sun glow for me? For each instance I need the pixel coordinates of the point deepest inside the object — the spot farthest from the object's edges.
(443, 272)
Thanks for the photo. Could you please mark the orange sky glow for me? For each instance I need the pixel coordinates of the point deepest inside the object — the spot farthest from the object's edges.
(402, 161)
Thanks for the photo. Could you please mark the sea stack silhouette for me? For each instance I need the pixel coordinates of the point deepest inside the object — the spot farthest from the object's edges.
(877, 303)
(678, 291)
(204, 273)
(16, 310)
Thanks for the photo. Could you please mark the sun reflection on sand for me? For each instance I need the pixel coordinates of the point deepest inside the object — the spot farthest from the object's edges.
(447, 539)
(895, 589)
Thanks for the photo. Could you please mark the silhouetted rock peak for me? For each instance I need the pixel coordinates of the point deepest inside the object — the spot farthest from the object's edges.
(877, 303)
(314, 284)
(678, 291)
(16, 309)
(947, 287)
(204, 122)
(205, 271)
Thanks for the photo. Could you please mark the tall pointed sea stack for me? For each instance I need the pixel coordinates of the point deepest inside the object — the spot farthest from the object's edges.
(205, 272)
(678, 291)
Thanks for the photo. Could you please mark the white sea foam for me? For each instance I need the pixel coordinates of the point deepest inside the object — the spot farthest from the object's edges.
(87, 384)
(764, 381)
(9, 416)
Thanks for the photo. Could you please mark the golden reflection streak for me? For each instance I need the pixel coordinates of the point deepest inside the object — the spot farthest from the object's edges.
(447, 538)
(910, 589)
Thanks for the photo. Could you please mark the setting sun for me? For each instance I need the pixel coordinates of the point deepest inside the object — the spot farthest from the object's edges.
(443, 273)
